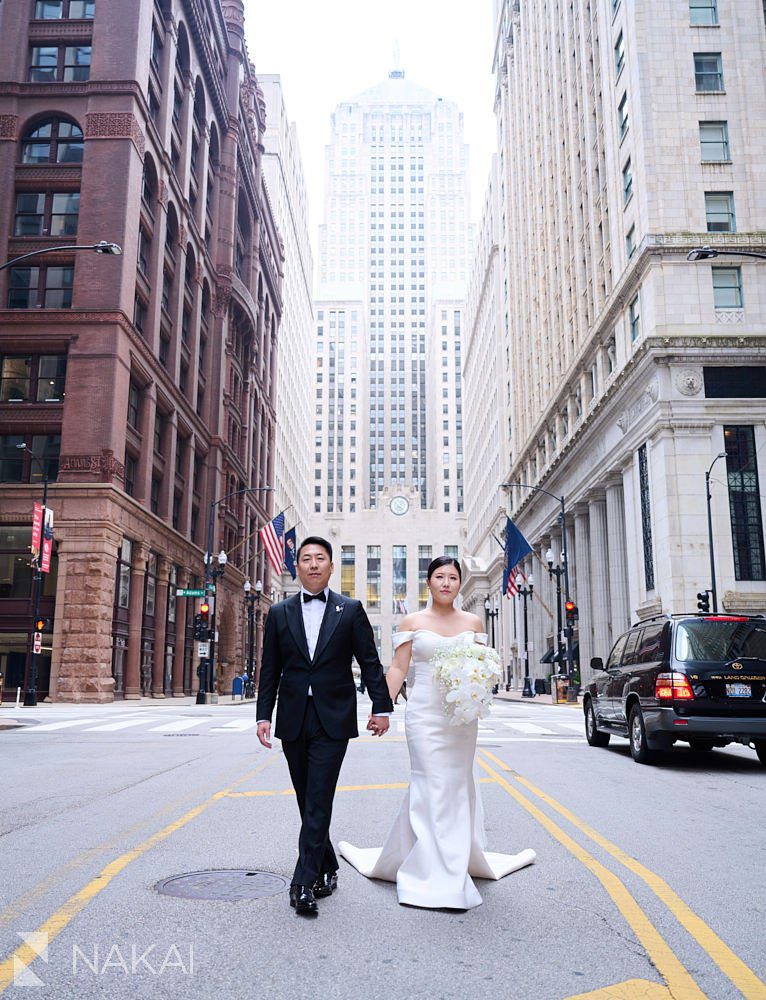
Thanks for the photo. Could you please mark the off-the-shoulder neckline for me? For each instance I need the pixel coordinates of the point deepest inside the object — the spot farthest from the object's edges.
(454, 635)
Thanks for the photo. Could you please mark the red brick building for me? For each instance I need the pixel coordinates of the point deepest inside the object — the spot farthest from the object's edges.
(145, 382)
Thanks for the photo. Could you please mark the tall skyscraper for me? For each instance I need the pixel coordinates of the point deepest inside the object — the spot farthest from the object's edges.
(630, 134)
(393, 262)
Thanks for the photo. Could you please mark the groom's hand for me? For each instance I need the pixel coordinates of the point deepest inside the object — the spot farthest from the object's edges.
(378, 724)
(264, 734)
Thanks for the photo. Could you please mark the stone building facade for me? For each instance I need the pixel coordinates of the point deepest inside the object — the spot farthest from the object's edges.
(145, 383)
(629, 134)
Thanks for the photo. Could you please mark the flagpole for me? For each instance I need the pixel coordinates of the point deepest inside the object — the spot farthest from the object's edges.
(568, 630)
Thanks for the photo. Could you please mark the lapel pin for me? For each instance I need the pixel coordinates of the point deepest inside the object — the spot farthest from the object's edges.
(339, 607)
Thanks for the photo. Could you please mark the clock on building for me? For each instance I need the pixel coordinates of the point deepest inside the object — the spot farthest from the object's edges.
(400, 505)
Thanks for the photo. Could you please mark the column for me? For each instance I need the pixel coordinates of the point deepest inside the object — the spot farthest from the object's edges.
(160, 628)
(599, 580)
(618, 566)
(582, 596)
(177, 680)
(132, 680)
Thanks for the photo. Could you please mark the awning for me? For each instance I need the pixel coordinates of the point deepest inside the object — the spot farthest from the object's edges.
(575, 654)
(548, 656)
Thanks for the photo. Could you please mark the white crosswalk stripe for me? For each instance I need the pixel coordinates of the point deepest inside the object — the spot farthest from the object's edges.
(236, 726)
(50, 727)
(111, 727)
(178, 726)
(530, 728)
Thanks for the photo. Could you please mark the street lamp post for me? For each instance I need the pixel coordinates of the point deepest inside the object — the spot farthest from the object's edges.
(713, 589)
(569, 630)
(103, 247)
(558, 572)
(526, 592)
(210, 576)
(30, 694)
(491, 611)
(709, 253)
(252, 601)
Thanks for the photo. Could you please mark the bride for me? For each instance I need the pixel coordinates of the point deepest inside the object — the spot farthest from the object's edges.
(437, 840)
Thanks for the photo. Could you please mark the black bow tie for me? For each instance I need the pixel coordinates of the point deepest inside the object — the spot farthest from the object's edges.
(321, 596)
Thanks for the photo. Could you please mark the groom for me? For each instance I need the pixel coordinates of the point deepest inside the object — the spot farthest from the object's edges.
(308, 643)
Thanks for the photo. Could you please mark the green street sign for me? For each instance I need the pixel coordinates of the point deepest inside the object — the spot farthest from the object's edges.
(190, 593)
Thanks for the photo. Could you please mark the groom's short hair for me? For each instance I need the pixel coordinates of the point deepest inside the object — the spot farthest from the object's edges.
(316, 540)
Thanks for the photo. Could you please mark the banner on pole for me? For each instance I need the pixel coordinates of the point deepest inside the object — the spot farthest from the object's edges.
(45, 564)
(37, 529)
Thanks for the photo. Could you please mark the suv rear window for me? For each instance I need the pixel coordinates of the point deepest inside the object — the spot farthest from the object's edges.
(708, 639)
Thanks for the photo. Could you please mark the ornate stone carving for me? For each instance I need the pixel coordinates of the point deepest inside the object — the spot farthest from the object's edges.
(8, 125)
(729, 316)
(688, 381)
(115, 125)
(649, 396)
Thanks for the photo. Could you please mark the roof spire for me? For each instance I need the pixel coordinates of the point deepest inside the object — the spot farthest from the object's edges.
(396, 73)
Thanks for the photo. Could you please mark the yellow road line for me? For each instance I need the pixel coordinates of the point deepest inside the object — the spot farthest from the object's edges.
(631, 989)
(58, 921)
(732, 966)
(668, 965)
(265, 793)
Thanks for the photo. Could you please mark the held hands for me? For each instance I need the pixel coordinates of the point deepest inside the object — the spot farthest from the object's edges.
(264, 734)
(377, 724)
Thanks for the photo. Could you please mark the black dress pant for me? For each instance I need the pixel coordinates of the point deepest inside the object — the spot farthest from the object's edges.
(314, 760)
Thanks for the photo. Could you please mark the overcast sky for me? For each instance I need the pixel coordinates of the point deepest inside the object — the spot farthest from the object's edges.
(326, 51)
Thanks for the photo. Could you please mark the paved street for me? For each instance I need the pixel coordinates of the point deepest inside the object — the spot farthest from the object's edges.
(648, 881)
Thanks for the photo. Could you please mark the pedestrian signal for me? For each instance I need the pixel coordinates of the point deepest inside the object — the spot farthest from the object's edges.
(703, 602)
(41, 625)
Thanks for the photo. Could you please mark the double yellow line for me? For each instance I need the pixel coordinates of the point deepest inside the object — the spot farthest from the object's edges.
(678, 979)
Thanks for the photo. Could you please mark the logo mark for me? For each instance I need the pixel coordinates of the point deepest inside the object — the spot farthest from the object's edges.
(736, 666)
(35, 942)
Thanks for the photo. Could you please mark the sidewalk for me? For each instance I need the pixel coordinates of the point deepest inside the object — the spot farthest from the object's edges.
(130, 705)
(539, 699)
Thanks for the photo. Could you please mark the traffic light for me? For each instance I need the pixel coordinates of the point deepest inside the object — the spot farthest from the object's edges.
(572, 613)
(41, 625)
(197, 626)
(204, 617)
(703, 602)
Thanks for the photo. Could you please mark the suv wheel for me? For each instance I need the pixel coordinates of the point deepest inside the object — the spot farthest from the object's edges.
(592, 735)
(639, 748)
(760, 749)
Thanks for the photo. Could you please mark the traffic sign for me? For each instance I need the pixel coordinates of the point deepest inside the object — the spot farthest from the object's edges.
(37, 644)
(190, 593)
(203, 649)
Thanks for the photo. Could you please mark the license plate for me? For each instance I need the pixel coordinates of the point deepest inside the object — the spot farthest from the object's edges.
(738, 691)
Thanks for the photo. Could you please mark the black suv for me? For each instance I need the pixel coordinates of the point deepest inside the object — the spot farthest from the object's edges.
(697, 679)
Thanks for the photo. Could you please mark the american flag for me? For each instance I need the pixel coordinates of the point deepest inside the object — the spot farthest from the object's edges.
(516, 548)
(273, 538)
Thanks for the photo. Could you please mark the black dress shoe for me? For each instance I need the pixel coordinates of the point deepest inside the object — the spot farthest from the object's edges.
(325, 884)
(302, 899)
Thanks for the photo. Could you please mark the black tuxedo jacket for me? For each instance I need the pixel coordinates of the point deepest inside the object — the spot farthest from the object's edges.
(287, 668)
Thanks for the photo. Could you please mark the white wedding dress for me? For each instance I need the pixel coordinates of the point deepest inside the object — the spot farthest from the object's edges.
(437, 840)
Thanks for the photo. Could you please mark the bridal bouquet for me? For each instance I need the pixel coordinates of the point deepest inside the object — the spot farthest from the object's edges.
(466, 672)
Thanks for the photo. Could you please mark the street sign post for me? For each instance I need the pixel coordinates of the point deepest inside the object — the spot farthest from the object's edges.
(190, 593)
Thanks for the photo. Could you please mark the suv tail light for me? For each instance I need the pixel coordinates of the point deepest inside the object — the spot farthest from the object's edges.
(724, 618)
(673, 687)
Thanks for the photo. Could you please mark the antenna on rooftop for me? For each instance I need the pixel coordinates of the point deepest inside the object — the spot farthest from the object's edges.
(396, 73)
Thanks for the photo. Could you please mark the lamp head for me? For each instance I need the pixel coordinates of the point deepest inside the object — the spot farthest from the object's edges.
(22, 446)
(549, 558)
(222, 558)
(701, 253)
(486, 604)
(531, 581)
(110, 249)
(247, 586)
(519, 579)
(258, 586)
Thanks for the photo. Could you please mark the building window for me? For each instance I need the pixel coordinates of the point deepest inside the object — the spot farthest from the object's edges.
(67, 63)
(122, 589)
(727, 287)
(714, 142)
(622, 115)
(47, 213)
(56, 10)
(18, 466)
(646, 517)
(627, 182)
(150, 595)
(154, 496)
(708, 72)
(131, 469)
(53, 141)
(373, 578)
(32, 378)
(719, 212)
(46, 287)
(744, 503)
(634, 318)
(399, 561)
(348, 571)
(424, 560)
(134, 405)
(630, 242)
(703, 12)
(619, 54)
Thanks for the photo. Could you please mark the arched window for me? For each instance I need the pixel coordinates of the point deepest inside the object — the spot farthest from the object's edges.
(149, 184)
(54, 140)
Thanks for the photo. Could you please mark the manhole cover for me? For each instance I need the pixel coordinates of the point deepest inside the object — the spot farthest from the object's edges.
(227, 885)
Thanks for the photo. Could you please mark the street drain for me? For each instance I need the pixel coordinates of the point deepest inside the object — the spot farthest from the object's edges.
(228, 885)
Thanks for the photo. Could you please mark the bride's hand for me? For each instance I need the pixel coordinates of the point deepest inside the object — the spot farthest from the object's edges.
(378, 724)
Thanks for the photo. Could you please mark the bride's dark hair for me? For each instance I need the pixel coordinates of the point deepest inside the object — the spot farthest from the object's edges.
(443, 561)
